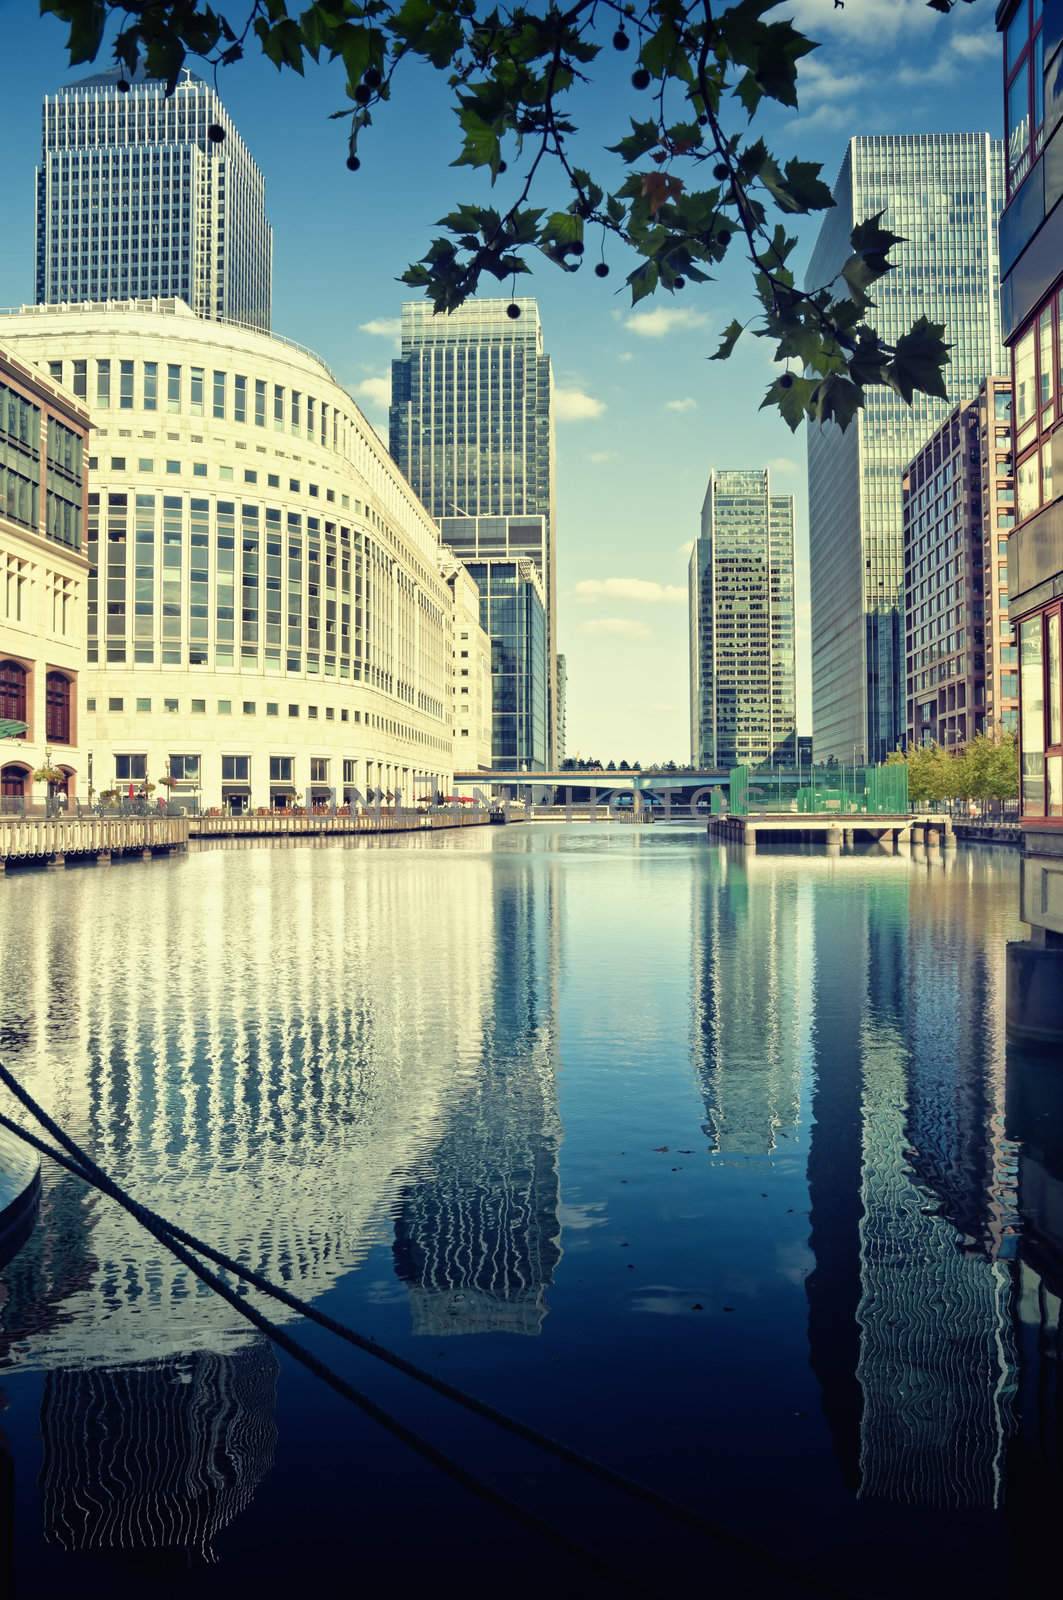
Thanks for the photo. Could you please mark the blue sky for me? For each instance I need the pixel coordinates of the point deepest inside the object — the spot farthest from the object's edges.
(642, 415)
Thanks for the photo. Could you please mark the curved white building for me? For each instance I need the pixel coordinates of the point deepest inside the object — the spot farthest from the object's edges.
(268, 619)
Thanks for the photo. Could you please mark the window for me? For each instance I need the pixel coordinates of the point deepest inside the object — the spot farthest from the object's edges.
(1033, 709)
(319, 769)
(173, 466)
(350, 771)
(173, 388)
(1036, 360)
(103, 383)
(280, 769)
(219, 394)
(184, 768)
(118, 463)
(169, 705)
(260, 403)
(125, 386)
(236, 769)
(131, 769)
(13, 699)
(151, 386)
(225, 708)
(145, 464)
(293, 711)
(311, 712)
(239, 398)
(1023, 89)
(272, 708)
(115, 703)
(250, 476)
(249, 708)
(143, 705)
(199, 469)
(90, 703)
(199, 707)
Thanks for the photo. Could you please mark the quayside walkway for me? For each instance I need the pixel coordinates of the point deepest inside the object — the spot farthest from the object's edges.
(281, 824)
(53, 841)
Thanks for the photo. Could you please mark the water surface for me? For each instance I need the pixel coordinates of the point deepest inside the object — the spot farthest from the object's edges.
(715, 1166)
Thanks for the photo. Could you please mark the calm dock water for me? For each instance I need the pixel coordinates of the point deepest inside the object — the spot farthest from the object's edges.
(714, 1164)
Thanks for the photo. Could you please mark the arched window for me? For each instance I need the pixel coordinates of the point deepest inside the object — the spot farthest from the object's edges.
(12, 692)
(57, 714)
(13, 783)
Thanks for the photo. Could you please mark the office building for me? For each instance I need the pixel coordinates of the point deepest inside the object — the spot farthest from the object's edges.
(267, 618)
(998, 519)
(961, 660)
(472, 429)
(562, 709)
(743, 685)
(43, 582)
(1031, 262)
(513, 614)
(471, 690)
(141, 193)
(942, 193)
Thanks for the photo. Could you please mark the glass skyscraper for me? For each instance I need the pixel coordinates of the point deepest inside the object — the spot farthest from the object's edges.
(472, 428)
(943, 194)
(742, 661)
(513, 615)
(138, 197)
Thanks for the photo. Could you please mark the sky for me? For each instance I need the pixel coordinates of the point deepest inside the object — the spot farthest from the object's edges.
(642, 415)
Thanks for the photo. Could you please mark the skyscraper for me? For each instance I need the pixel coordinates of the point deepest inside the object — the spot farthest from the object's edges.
(140, 194)
(958, 502)
(741, 581)
(472, 428)
(942, 193)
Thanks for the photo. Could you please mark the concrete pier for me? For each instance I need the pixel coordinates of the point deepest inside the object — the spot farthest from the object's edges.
(833, 829)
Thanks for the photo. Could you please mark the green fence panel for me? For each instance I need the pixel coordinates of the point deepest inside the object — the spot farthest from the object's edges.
(738, 784)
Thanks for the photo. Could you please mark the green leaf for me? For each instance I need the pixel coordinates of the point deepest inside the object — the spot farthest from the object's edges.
(731, 335)
(919, 359)
(835, 398)
(564, 227)
(790, 395)
(482, 147)
(644, 136)
(87, 23)
(643, 281)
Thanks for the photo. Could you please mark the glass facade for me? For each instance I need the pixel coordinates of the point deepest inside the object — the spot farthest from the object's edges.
(472, 428)
(943, 194)
(134, 200)
(743, 685)
(513, 614)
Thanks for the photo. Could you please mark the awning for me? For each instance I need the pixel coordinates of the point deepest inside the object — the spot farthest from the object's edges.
(12, 730)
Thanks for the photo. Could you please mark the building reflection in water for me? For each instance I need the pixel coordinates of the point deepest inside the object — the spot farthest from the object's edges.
(273, 1059)
(159, 1457)
(751, 958)
(477, 1234)
(911, 1203)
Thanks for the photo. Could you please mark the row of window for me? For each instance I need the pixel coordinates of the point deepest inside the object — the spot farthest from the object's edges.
(58, 701)
(132, 767)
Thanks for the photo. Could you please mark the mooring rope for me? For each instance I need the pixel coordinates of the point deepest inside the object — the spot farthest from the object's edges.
(80, 1164)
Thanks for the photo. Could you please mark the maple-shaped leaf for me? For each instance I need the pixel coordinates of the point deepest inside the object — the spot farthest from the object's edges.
(790, 395)
(660, 187)
(731, 335)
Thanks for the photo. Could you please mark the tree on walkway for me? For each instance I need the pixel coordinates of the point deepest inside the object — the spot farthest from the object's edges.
(695, 183)
(984, 769)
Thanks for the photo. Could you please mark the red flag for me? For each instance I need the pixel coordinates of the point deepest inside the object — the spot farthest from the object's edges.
(131, 791)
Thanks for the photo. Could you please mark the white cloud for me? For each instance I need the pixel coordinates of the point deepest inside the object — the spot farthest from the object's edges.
(382, 327)
(681, 405)
(686, 548)
(961, 52)
(616, 627)
(573, 405)
(375, 392)
(625, 355)
(781, 464)
(662, 320)
(818, 81)
(640, 589)
(858, 23)
(598, 458)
